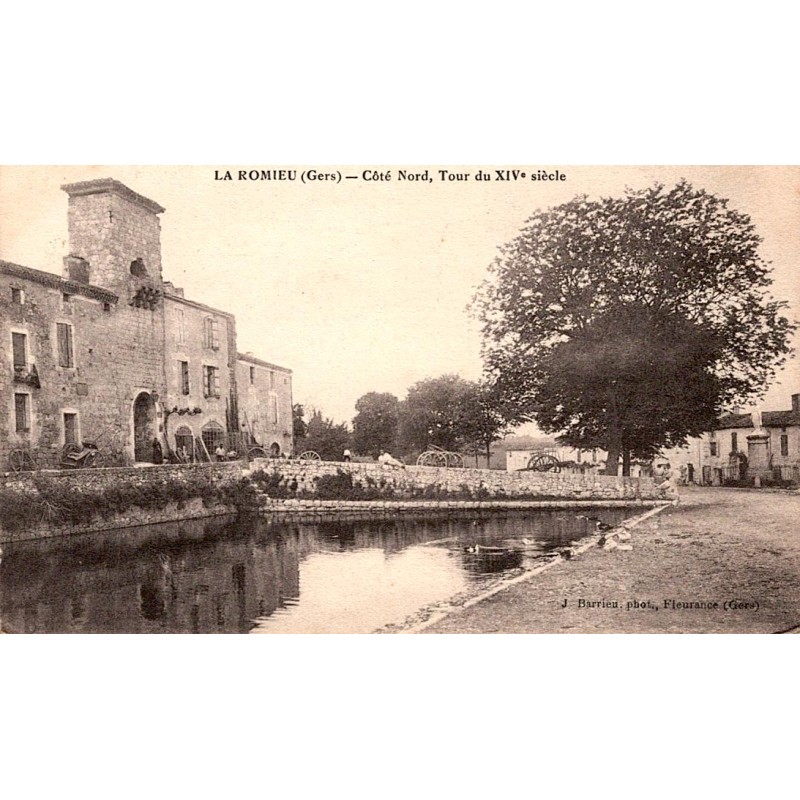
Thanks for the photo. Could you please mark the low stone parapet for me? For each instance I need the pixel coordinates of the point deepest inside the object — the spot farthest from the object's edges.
(481, 483)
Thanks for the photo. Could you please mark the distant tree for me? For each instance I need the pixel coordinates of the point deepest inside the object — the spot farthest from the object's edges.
(483, 419)
(375, 426)
(326, 437)
(432, 414)
(452, 413)
(623, 323)
(299, 427)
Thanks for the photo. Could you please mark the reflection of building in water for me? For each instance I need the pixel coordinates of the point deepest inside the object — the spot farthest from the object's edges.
(172, 579)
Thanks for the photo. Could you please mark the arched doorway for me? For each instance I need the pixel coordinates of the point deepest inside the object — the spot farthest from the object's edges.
(274, 450)
(145, 427)
(184, 443)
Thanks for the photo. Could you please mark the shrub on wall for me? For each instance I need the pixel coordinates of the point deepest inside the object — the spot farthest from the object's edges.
(51, 504)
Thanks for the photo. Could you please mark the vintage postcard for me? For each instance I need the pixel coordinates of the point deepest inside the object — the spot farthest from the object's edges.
(399, 399)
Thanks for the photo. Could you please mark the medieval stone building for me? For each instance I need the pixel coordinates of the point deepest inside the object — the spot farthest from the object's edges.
(111, 352)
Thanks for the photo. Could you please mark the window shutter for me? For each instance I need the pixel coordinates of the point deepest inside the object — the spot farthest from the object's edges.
(214, 334)
(21, 409)
(70, 353)
(216, 382)
(64, 336)
(18, 345)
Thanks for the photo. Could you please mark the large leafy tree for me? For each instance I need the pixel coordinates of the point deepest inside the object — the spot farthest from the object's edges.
(375, 426)
(627, 323)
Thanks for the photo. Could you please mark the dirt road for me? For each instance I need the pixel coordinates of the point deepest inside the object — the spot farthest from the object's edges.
(723, 561)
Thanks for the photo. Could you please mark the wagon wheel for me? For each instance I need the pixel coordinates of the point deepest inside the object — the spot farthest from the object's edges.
(310, 455)
(20, 460)
(432, 458)
(454, 460)
(97, 460)
(256, 452)
(544, 462)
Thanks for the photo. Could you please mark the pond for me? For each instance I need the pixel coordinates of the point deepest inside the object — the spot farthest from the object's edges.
(270, 575)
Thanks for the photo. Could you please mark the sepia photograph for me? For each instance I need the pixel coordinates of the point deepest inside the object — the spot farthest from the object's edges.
(332, 399)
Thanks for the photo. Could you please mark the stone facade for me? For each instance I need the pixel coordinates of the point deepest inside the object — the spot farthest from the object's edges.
(270, 422)
(112, 353)
(723, 451)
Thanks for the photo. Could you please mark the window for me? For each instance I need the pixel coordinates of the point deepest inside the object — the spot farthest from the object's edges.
(183, 376)
(580, 456)
(180, 326)
(65, 350)
(213, 436)
(210, 382)
(22, 413)
(713, 446)
(271, 379)
(70, 428)
(17, 296)
(273, 409)
(65, 297)
(138, 268)
(734, 445)
(252, 375)
(784, 444)
(211, 334)
(19, 344)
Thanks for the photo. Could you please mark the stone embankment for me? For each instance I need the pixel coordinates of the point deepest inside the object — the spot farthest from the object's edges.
(85, 501)
(414, 482)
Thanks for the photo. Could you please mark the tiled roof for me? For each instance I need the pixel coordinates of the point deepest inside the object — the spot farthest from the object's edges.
(253, 360)
(55, 282)
(769, 419)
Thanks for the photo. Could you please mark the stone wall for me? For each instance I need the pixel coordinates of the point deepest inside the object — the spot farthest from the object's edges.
(567, 486)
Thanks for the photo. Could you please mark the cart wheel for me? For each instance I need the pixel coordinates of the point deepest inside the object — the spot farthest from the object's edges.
(98, 461)
(256, 452)
(90, 459)
(310, 455)
(18, 459)
(455, 460)
(544, 463)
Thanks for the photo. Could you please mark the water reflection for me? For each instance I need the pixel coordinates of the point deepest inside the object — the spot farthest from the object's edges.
(273, 576)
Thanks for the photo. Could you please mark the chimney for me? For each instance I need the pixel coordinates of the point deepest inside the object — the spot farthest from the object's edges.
(76, 269)
(796, 403)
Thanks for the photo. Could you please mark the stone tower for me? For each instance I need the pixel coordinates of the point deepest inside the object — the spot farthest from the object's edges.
(114, 239)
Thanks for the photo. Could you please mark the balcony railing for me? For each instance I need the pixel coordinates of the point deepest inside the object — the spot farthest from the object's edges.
(27, 375)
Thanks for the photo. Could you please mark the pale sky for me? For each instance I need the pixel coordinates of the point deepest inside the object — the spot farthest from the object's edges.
(363, 286)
